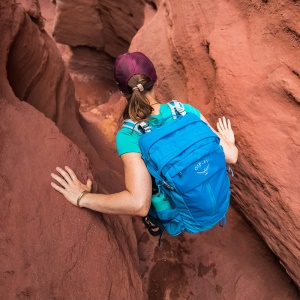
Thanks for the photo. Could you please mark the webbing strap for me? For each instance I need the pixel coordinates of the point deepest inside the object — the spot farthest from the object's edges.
(140, 128)
(145, 127)
(230, 171)
(176, 107)
(222, 222)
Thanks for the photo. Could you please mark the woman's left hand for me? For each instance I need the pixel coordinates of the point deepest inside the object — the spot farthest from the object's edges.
(224, 128)
(69, 185)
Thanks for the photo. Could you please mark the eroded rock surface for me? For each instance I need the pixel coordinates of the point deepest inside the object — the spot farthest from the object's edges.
(232, 58)
(105, 30)
(104, 25)
(241, 59)
(49, 248)
(224, 263)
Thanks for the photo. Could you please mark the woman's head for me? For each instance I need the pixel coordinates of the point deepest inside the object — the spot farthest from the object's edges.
(135, 76)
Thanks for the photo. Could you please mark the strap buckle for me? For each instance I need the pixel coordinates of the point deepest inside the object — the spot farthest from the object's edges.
(176, 107)
(145, 127)
(181, 110)
(230, 171)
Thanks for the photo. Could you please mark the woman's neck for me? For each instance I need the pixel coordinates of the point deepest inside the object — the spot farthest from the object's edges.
(153, 102)
(151, 99)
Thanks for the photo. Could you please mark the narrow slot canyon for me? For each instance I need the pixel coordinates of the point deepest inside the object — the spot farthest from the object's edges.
(59, 105)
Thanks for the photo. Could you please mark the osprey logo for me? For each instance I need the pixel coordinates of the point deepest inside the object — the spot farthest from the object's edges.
(202, 167)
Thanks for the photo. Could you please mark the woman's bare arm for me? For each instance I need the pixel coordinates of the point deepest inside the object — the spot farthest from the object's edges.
(134, 200)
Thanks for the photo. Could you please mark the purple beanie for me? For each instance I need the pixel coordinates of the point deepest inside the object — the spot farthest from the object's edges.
(129, 64)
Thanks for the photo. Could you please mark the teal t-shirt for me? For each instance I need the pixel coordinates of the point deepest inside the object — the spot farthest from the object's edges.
(127, 140)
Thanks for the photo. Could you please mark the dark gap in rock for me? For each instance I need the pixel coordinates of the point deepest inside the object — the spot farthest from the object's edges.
(12, 68)
(294, 34)
(39, 21)
(152, 4)
(293, 99)
(296, 73)
(206, 45)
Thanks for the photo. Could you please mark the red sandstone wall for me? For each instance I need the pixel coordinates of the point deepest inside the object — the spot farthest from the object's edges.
(104, 25)
(50, 249)
(43, 245)
(241, 59)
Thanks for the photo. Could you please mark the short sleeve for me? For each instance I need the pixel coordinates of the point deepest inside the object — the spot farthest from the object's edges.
(127, 141)
(192, 109)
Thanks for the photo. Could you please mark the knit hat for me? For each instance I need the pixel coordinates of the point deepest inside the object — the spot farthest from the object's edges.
(129, 64)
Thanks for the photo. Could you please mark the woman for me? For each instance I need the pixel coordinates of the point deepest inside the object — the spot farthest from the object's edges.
(135, 76)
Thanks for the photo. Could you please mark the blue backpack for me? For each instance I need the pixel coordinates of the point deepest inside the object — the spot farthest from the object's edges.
(188, 165)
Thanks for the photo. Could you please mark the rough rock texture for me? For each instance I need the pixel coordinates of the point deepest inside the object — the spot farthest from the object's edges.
(104, 25)
(104, 31)
(37, 75)
(49, 248)
(229, 263)
(241, 59)
(224, 263)
(42, 245)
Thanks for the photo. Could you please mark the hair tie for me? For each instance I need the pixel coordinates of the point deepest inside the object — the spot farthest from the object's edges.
(138, 87)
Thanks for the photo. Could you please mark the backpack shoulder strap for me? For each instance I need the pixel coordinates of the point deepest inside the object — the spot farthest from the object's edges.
(140, 128)
(128, 123)
(176, 108)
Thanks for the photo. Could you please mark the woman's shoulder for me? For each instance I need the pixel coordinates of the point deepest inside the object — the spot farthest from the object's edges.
(191, 109)
(127, 140)
(188, 108)
(127, 133)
